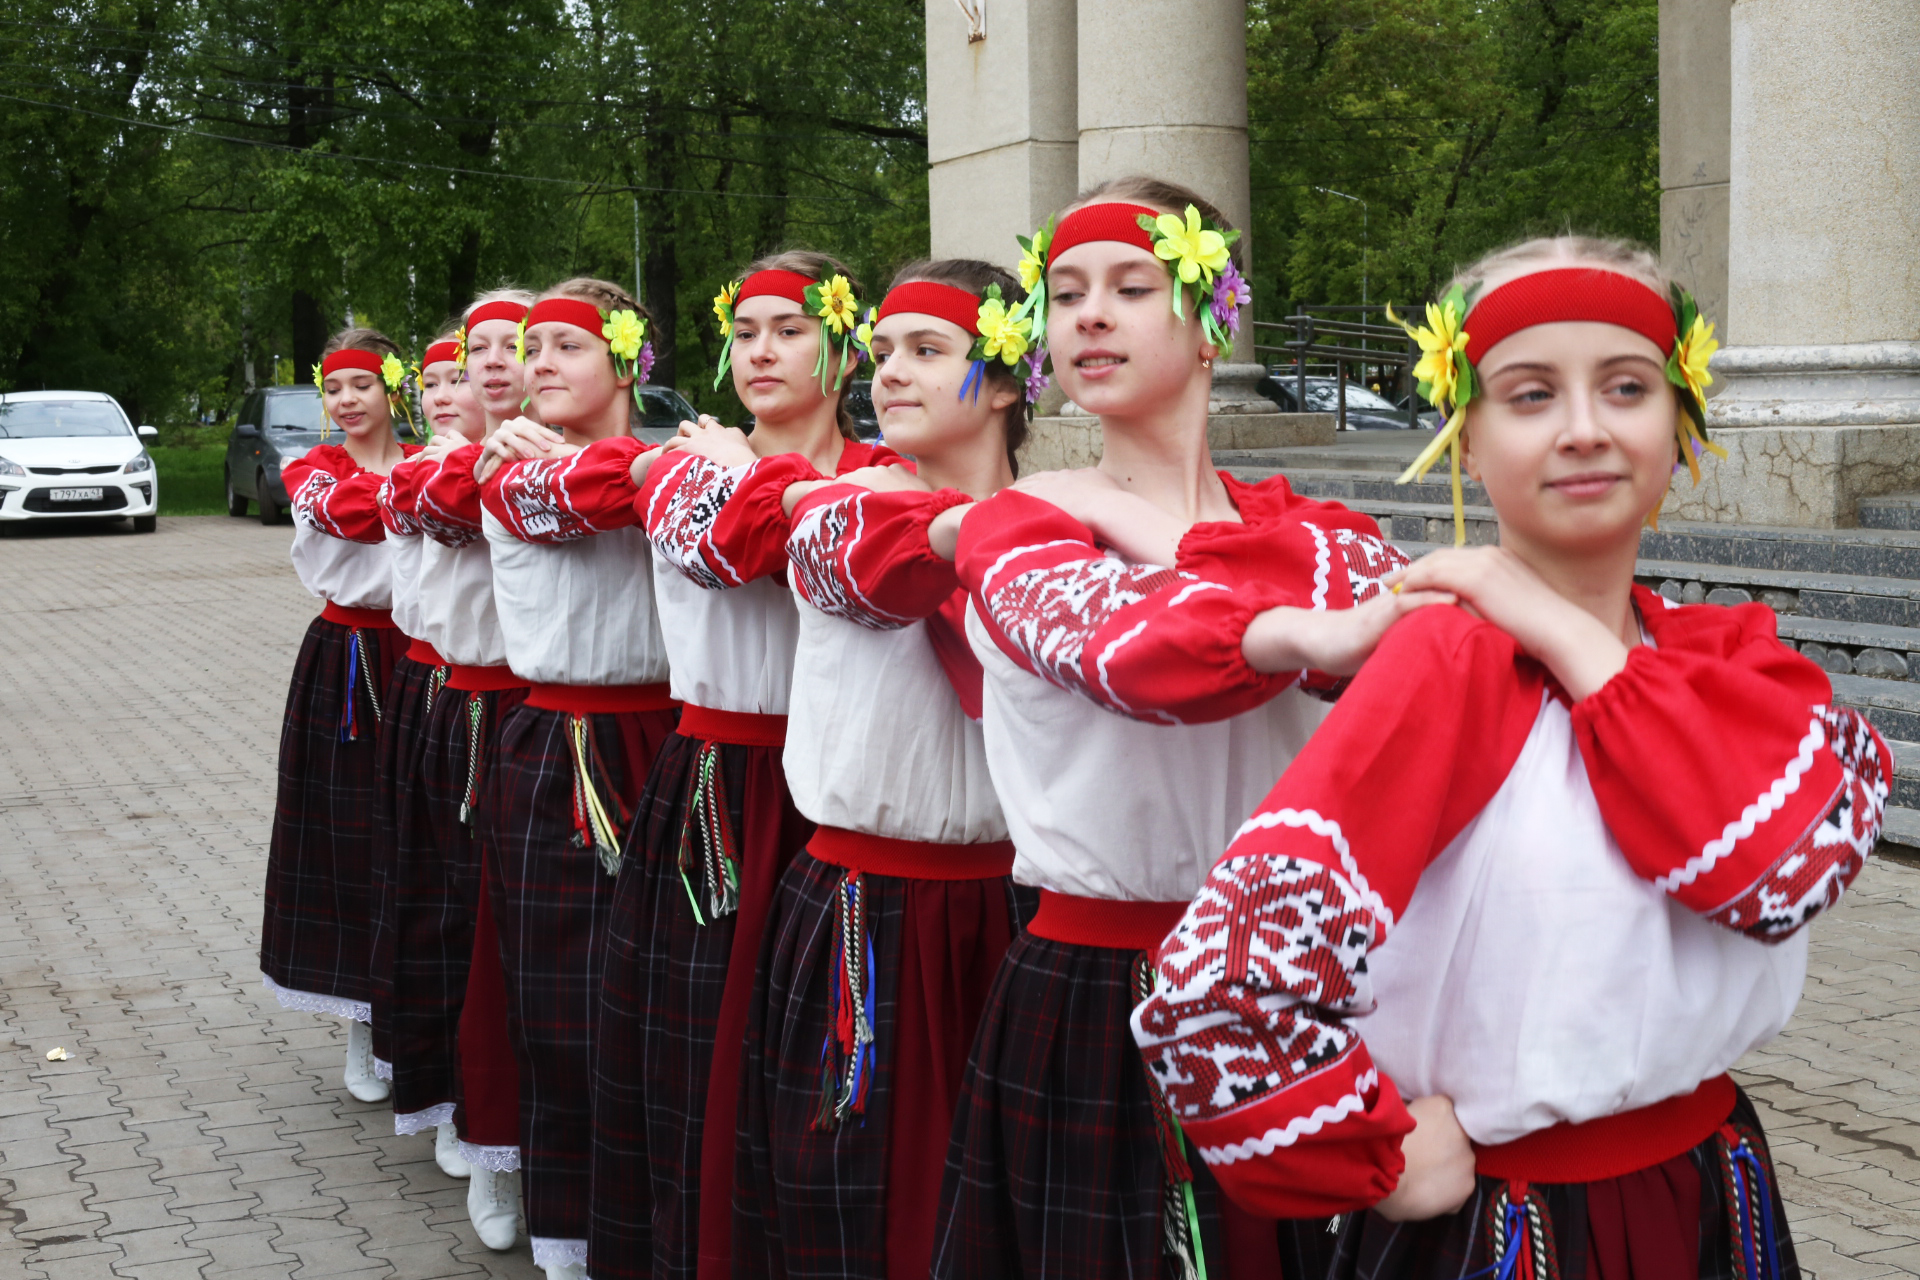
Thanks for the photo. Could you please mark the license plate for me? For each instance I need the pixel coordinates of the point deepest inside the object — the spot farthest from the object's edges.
(75, 495)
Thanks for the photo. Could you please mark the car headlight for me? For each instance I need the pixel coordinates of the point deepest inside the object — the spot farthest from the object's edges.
(8, 467)
(141, 463)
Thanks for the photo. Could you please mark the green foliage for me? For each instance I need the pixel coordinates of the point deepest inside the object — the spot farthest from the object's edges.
(201, 185)
(190, 478)
(1464, 125)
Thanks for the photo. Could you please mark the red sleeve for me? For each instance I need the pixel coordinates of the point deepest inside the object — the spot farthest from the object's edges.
(335, 495)
(1248, 1032)
(567, 499)
(1725, 774)
(397, 497)
(864, 556)
(721, 526)
(448, 506)
(1077, 618)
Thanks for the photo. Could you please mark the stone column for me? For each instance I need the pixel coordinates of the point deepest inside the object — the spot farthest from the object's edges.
(1821, 399)
(1696, 141)
(1163, 91)
(1001, 126)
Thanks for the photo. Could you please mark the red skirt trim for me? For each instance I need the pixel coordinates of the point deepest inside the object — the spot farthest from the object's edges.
(741, 728)
(1612, 1146)
(382, 618)
(481, 679)
(422, 652)
(590, 699)
(910, 859)
(1104, 922)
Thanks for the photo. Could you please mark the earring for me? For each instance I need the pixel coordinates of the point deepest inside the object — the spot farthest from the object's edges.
(1206, 362)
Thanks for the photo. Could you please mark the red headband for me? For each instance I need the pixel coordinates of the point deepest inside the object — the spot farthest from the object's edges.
(439, 353)
(1107, 221)
(350, 358)
(1570, 293)
(944, 301)
(495, 311)
(790, 285)
(581, 315)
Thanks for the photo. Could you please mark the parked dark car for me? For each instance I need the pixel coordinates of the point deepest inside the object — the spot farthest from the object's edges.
(275, 425)
(1367, 410)
(866, 419)
(662, 411)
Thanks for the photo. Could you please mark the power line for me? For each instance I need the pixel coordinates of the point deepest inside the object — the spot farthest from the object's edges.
(419, 165)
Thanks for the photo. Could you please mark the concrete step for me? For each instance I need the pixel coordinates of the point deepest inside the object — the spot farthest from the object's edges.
(1838, 597)
(1890, 511)
(1906, 776)
(1893, 706)
(1900, 835)
(1348, 485)
(1856, 648)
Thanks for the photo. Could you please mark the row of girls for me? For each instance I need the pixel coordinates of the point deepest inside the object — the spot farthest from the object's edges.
(801, 857)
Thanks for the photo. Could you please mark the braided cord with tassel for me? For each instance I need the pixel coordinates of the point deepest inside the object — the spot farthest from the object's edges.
(708, 821)
(1179, 1214)
(595, 825)
(847, 1054)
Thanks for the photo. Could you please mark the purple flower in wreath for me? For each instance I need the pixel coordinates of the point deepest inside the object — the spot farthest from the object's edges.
(646, 360)
(1230, 293)
(1037, 380)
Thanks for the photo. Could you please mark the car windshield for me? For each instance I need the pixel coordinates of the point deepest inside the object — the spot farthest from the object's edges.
(1324, 395)
(38, 419)
(663, 409)
(294, 413)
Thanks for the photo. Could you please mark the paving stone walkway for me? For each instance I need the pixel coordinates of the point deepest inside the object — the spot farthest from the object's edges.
(199, 1130)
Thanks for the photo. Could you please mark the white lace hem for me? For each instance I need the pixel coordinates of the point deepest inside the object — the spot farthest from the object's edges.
(492, 1159)
(382, 1069)
(309, 1002)
(421, 1121)
(552, 1251)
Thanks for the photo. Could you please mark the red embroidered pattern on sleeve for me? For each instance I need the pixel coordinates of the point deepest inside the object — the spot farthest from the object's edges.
(681, 516)
(443, 526)
(534, 495)
(1051, 614)
(398, 522)
(310, 503)
(818, 550)
(1817, 868)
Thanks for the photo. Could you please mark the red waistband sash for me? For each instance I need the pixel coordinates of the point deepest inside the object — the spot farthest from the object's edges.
(739, 728)
(1612, 1145)
(482, 679)
(421, 651)
(592, 699)
(1104, 922)
(381, 618)
(910, 859)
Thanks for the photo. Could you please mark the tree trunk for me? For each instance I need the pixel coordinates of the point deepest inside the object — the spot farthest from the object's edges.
(309, 334)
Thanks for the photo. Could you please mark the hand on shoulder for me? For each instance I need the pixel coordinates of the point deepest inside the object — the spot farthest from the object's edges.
(709, 439)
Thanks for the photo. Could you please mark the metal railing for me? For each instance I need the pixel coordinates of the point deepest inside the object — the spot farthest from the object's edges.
(1342, 339)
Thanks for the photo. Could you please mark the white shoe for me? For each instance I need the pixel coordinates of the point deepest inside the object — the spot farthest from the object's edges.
(362, 1083)
(446, 1153)
(493, 1206)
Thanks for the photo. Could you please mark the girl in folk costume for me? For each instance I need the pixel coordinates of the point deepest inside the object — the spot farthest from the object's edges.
(315, 941)
(885, 934)
(572, 586)
(716, 827)
(1087, 605)
(1479, 964)
(401, 830)
(452, 1026)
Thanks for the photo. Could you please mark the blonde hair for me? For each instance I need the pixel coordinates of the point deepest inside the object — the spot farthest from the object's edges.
(361, 339)
(1545, 252)
(1140, 188)
(604, 294)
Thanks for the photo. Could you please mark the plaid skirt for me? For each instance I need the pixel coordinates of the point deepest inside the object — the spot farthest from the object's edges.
(857, 1195)
(673, 1017)
(1672, 1221)
(395, 821)
(551, 903)
(487, 1112)
(316, 941)
(1055, 1168)
(437, 887)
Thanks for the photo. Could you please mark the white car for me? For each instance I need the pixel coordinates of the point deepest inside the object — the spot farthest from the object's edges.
(67, 454)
